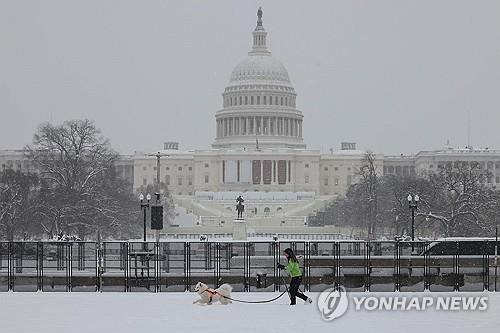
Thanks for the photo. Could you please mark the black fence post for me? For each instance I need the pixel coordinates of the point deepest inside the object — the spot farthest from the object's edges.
(187, 265)
(367, 265)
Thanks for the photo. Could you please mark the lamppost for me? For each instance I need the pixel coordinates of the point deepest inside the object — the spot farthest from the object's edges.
(412, 204)
(145, 206)
(158, 191)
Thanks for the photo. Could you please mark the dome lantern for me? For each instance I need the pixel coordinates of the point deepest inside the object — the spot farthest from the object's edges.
(259, 37)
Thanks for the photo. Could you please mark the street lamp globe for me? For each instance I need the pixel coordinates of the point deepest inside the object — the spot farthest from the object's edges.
(417, 198)
(409, 198)
(148, 197)
(141, 197)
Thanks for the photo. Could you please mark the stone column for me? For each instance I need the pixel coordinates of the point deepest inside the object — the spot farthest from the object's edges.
(287, 172)
(261, 172)
(272, 172)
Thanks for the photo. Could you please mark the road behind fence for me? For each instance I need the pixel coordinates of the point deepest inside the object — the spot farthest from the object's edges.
(247, 266)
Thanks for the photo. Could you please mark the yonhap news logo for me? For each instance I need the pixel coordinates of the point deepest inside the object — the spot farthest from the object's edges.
(334, 302)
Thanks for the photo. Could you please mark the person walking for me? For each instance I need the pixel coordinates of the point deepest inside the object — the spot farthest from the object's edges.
(295, 273)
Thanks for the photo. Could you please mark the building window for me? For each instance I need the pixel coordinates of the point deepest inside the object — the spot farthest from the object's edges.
(190, 168)
(306, 179)
(336, 182)
(190, 181)
(326, 182)
(167, 179)
(167, 168)
(206, 165)
(251, 100)
(336, 169)
(144, 168)
(246, 100)
(307, 165)
(265, 100)
(179, 168)
(258, 100)
(206, 179)
(179, 181)
(144, 181)
(497, 179)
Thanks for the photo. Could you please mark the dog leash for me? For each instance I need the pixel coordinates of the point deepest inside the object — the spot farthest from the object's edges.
(255, 302)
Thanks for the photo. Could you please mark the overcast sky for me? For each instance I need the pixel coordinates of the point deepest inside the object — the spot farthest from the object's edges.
(394, 76)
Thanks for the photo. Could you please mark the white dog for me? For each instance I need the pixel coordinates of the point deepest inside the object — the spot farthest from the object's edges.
(209, 295)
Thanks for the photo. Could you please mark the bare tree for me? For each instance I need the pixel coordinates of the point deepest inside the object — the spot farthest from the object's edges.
(17, 196)
(462, 200)
(82, 193)
(369, 182)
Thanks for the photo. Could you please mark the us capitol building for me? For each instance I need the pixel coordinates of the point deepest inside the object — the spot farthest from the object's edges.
(259, 152)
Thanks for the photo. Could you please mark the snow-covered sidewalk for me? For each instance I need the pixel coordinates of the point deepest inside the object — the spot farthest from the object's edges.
(174, 312)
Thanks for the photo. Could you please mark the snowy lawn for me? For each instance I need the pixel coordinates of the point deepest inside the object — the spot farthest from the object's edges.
(174, 312)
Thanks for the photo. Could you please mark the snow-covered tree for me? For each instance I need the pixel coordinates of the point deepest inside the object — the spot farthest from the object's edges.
(18, 193)
(462, 201)
(81, 191)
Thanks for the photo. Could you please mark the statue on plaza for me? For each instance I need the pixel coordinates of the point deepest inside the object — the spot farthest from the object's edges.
(240, 208)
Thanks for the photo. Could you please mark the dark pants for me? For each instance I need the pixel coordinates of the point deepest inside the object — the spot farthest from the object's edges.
(294, 290)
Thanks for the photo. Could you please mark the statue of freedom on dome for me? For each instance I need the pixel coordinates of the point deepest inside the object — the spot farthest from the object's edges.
(259, 15)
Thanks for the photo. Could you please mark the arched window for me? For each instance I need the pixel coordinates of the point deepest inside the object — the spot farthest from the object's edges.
(267, 210)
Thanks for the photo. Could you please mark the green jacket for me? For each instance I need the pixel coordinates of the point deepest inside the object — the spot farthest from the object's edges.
(293, 269)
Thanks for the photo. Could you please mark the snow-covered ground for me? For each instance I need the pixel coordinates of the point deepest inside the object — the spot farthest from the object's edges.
(174, 312)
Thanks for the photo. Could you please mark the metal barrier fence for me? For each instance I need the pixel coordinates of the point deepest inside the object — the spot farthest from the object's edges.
(247, 266)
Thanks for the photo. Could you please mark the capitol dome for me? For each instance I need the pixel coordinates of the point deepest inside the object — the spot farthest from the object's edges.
(259, 103)
(260, 68)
